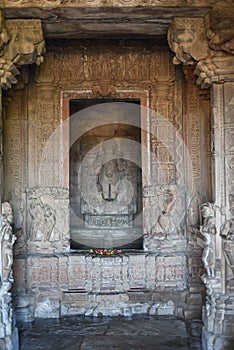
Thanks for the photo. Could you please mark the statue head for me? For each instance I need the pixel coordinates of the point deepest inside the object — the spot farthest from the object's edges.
(207, 210)
(110, 147)
(7, 212)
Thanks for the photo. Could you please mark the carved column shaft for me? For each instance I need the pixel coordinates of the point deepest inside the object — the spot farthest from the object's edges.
(223, 140)
(208, 45)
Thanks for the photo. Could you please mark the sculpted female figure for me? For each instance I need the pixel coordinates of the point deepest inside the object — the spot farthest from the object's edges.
(207, 230)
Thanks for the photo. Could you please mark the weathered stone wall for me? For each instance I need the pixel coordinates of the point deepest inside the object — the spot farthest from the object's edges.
(36, 168)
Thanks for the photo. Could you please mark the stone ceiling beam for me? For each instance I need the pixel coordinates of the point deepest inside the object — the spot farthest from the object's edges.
(112, 18)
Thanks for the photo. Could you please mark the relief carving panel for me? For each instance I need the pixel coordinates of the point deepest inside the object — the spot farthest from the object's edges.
(47, 214)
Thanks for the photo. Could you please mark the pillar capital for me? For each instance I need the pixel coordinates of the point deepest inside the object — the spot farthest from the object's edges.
(206, 43)
(21, 43)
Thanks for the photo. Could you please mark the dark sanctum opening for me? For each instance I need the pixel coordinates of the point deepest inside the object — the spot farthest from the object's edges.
(105, 177)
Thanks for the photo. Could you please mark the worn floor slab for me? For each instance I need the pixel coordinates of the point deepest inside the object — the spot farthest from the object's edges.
(80, 333)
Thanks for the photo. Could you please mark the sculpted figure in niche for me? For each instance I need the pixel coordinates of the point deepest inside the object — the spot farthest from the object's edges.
(108, 179)
(112, 182)
(165, 224)
(7, 254)
(7, 241)
(42, 221)
(207, 231)
(227, 233)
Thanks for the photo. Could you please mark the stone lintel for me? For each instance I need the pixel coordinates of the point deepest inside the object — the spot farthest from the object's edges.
(103, 3)
(105, 18)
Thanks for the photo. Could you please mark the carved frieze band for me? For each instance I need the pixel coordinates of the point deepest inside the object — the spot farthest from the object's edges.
(21, 43)
(207, 43)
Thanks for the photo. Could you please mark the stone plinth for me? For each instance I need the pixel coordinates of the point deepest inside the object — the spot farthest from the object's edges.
(85, 284)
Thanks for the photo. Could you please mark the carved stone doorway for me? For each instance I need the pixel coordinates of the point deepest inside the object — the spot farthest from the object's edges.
(105, 178)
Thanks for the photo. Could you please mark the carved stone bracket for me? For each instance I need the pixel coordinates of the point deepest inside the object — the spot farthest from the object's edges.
(215, 70)
(21, 43)
(220, 29)
(187, 39)
(206, 43)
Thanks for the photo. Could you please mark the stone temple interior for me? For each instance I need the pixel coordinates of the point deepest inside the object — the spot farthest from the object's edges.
(117, 155)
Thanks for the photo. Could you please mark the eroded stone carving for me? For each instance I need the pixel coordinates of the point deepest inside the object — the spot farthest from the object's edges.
(205, 237)
(220, 29)
(207, 230)
(114, 187)
(213, 70)
(7, 241)
(8, 333)
(42, 221)
(165, 222)
(21, 43)
(48, 217)
(165, 214)
(201, 41)
(227, 233)
(186, 38)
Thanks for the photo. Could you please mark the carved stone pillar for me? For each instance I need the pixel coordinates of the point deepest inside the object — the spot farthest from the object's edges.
(208, 45)
(21, 43)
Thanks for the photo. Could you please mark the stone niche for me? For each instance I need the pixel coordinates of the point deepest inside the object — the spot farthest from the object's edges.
(152, 124)
(105, 175)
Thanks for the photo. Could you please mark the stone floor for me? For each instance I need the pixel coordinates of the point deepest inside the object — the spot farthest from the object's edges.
(135, 333)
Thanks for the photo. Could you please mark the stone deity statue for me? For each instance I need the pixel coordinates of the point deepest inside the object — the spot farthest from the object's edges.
(7, 241)
(207, 230)
(112, 191)
(227, 233)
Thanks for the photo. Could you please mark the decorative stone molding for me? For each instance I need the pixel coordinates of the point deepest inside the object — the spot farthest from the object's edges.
(21, 43)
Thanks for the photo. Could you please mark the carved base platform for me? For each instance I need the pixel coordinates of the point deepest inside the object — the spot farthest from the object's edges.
(108, 221)
(85, 284)
(114, 304)
(105, 237)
